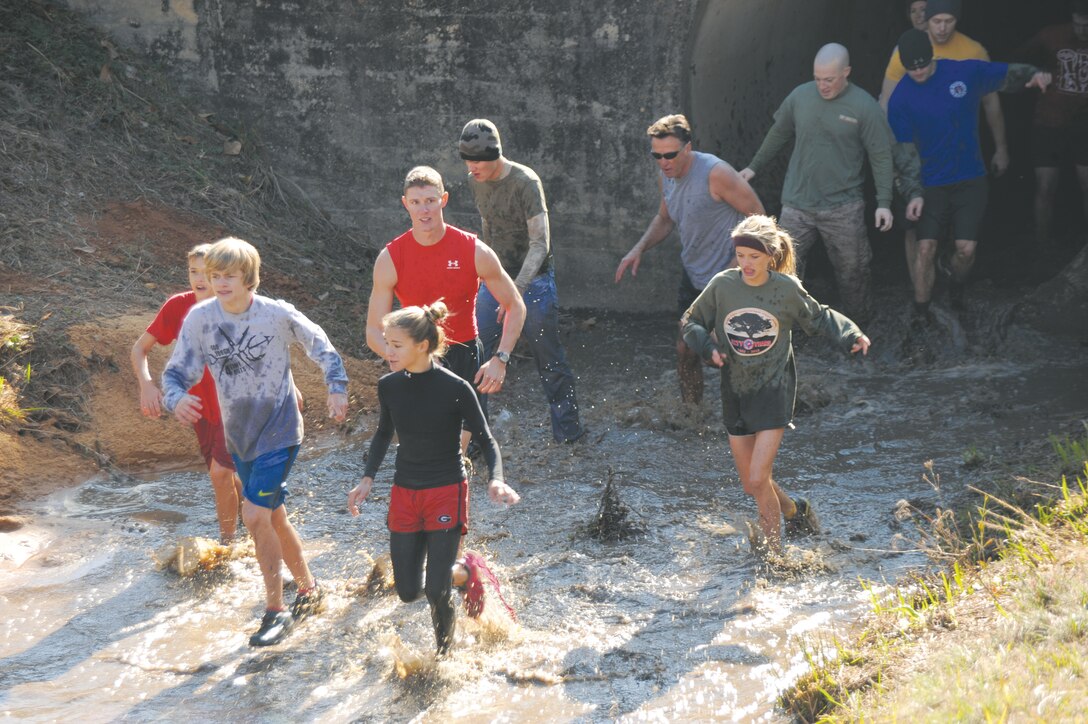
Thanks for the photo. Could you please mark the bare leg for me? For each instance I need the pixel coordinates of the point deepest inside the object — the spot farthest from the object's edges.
(910, 246)
(269, 551)
(227, 488)
(754, 456)
(1046, 186)
(689, 368)
(785, 502)
(291, 548)
(963, 259)
(924, 271)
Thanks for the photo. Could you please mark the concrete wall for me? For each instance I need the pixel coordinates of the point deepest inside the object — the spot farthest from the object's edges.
(346, 95)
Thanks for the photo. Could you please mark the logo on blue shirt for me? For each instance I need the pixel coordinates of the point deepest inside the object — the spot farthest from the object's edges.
(958, 89)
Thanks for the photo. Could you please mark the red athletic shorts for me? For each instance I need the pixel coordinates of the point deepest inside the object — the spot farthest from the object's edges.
(442, 508)
(213, 443)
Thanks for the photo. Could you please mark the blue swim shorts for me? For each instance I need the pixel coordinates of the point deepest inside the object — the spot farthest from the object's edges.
(264, 479)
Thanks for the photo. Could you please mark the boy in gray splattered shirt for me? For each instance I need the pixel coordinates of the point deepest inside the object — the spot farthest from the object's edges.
(244, 339)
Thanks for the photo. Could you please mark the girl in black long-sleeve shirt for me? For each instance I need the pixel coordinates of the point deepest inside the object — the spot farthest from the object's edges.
(426, 406)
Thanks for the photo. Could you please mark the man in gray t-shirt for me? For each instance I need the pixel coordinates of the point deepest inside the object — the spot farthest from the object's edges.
(703, 197)
(514, 222)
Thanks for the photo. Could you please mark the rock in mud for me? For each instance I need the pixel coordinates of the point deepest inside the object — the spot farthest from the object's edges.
(193, 553)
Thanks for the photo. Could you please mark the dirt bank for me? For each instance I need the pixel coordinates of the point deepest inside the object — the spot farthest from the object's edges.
(108, 178)
(61, 446)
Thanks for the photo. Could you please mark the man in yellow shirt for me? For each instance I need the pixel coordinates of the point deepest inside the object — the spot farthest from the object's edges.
(949, 43)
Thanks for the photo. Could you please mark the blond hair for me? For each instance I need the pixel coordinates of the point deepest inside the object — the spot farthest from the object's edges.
(421, 176)
(421, 324)
(233, 254)
(776, 241)
(198, 252)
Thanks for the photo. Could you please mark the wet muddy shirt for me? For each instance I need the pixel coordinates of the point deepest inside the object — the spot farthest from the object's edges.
(753, 326)
(249, 358)
(505, 207)
(427, 411)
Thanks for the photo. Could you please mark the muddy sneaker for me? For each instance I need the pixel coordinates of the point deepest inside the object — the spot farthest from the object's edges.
(274, 628)
(804, 521)
(308, 603)
(473, 589)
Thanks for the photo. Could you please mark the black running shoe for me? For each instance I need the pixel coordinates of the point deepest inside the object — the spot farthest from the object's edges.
(274, 628)
(804, 521)
(307, 604)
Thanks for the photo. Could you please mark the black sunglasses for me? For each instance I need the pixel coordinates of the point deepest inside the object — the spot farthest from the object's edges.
(667, 156)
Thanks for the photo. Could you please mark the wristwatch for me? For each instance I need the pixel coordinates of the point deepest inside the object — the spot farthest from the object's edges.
(504, 357)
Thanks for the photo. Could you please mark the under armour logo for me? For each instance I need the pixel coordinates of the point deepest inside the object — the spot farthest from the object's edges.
(453, 264)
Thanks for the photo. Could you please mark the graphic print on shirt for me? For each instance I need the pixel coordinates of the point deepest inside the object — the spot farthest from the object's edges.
(1072, 71)
(751, 331)
(958, 89)
(238, 355)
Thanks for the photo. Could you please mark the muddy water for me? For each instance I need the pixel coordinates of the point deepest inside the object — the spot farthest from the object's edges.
(679, 622)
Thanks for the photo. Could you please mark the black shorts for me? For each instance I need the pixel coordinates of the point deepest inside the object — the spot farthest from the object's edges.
(686, 294)
(1055, 147)
(960, 206)
(463, 359)
(768, 408)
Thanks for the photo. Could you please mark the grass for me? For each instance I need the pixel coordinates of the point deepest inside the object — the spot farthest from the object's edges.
(1070, 451)
(997, 632)
(15, 340)
(972, 458)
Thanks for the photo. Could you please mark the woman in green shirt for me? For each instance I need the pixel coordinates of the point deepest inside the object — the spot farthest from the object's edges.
(742, 323)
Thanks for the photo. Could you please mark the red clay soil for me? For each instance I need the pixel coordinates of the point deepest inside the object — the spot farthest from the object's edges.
(34, 462)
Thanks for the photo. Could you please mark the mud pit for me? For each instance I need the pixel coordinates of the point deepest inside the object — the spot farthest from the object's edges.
(680, 621)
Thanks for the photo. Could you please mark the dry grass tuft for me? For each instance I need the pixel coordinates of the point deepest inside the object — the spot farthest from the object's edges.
(998, 632)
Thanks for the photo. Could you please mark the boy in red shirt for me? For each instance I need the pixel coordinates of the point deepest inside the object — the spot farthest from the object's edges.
(163, 330)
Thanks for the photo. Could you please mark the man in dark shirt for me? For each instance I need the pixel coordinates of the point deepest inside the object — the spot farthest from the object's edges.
(1060, 132)
(934, 109)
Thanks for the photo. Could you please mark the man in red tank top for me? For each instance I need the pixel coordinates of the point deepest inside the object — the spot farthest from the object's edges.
(433, 261)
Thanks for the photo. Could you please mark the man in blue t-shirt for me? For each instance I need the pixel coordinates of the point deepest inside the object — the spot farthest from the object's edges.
(934, 110)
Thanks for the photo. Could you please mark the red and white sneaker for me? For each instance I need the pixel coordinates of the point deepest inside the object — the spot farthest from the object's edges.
(474, 591)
